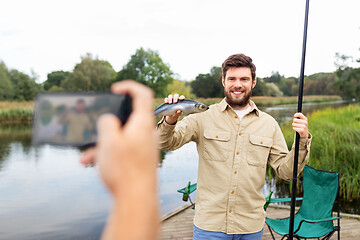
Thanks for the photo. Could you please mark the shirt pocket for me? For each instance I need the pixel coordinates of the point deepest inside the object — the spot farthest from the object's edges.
(258, 150)
(217, 145)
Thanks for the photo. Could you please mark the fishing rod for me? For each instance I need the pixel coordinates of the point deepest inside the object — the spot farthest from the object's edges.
(297, 138)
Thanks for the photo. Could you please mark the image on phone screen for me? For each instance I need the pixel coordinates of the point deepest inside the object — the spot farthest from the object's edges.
(69, 119)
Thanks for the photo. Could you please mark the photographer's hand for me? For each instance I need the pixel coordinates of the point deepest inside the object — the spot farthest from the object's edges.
(127, 157)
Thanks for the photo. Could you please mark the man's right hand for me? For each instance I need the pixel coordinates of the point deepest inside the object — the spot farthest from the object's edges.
(173, 99)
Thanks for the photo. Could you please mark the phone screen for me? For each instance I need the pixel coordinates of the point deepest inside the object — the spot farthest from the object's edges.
(69, 119)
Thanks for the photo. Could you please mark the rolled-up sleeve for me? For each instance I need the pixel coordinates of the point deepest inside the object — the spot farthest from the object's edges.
(172, 137)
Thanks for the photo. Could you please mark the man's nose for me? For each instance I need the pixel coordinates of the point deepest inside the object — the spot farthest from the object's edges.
(238, 83)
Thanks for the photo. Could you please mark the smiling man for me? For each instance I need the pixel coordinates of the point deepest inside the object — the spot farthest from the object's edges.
(235, 142)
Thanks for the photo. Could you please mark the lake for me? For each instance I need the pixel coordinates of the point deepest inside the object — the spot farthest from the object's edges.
(46, 193)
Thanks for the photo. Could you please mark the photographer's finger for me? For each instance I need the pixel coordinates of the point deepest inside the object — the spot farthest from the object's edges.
(142, 96)
(107, 126)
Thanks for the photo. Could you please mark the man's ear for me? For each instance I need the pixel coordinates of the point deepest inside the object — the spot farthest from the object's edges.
(223, 81)
(254, 83)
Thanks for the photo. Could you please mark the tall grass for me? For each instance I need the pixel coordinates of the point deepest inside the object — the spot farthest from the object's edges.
(335, 145)
(12, 112)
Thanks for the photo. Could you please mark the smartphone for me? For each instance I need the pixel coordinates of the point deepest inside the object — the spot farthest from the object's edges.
(69, 119)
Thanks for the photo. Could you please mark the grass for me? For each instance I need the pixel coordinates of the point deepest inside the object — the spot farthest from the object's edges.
(335, 145)
(13, 112)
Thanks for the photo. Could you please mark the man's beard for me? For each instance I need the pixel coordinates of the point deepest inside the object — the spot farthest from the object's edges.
(242, 102)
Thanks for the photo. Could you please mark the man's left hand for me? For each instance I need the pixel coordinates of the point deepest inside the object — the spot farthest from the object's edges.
(300, 125)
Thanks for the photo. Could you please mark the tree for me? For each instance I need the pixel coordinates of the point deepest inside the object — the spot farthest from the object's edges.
(25, 87)
(6, 88)
(260, 88)
(208, 85)
(146, 67)
(55, 79)
(274, 78)
(347, 81)
(180, 87)
(90, 75)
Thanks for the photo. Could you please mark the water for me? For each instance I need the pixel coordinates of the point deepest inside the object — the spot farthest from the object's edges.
(46, 194)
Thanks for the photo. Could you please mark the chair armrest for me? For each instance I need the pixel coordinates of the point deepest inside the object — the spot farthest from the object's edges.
(276, 200)
(316, 221)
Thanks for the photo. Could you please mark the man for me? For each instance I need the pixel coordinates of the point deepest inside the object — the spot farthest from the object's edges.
(235, 142)
(76, 122)
(127, 157)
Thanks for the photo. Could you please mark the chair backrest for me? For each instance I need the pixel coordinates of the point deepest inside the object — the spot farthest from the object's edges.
(320, 191)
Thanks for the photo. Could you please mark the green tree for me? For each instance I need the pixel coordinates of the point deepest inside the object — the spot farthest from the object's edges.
(208, 85)
(6, 88)
(289, 86)
(274, 78)
(180, 87)
(25, 87)
(347, 81)
(146, 67)
(90, 75)
(55, 79)
(261, 88)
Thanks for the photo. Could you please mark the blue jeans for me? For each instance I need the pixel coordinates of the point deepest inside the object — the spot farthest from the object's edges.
(200, 234)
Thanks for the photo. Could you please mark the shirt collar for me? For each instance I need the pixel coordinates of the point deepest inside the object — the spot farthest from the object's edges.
(224, 105)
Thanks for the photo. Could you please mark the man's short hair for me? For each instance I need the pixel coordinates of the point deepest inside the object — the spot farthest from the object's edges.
(239, 60)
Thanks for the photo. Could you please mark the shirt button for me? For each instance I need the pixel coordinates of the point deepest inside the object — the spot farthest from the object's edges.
(217, 136)
(239, 134)
(236, 116)
(230, 211)
(232, 192)
(261, 142)
(235, 172)
(237, 153)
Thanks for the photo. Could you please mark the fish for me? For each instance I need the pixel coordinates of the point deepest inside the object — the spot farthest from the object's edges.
(187, 106)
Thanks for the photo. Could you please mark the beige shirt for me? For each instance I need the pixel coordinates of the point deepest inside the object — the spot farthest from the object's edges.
(232, 164)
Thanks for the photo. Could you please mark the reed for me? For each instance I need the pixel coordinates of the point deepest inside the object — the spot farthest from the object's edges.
(13, 112)
(335, 145)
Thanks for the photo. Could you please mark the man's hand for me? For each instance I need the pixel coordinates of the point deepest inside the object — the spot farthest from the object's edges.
(173, 99)
(300, 125)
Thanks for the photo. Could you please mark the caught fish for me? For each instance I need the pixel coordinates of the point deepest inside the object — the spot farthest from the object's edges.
(187, 106)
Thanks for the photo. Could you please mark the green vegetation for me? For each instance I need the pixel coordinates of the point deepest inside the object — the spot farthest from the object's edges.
(14, 112)
(335, 145)
(146, 67)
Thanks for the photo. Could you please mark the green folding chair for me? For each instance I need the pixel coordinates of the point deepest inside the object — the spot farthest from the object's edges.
(186, 191)
(314, 218)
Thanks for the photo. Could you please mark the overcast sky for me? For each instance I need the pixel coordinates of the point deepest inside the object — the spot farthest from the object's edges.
(191, 36)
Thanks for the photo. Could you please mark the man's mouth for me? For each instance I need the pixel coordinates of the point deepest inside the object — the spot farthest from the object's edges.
(238, 93)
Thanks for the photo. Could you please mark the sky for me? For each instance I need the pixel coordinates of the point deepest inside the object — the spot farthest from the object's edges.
(42, 36)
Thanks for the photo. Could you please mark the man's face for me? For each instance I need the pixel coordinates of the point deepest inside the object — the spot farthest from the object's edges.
(238, 85)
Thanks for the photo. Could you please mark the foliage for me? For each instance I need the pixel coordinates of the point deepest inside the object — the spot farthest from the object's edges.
(146, 67)
(90, 75)
(347, 81)
(54, 79)
(180, 87)
(208, 85)
(260, 88)
(320, 84)
(335, 145)
(6, 88)
(25, 88)
(273, 90)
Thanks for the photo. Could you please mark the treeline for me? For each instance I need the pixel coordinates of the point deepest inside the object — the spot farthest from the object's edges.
(147, 67)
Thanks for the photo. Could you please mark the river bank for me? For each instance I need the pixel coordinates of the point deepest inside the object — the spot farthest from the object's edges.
(335, 145)
(17, 112)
